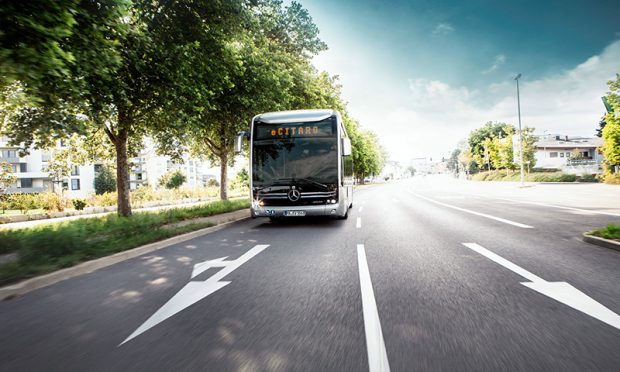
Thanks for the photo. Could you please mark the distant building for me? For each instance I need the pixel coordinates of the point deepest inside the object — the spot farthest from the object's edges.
(422, 166)
(556, 151)
(145, 169)
(392, 170)
(32, 176)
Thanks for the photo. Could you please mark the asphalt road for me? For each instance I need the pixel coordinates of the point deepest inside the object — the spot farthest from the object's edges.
(394, 285)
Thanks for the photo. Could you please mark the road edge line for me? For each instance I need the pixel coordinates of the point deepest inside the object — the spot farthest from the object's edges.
(88, 267)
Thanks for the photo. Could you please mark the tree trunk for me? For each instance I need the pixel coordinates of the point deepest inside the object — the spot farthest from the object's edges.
(122, 174)
(224, 177)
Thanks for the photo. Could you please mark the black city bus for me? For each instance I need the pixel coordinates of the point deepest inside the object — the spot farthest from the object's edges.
(300, 164)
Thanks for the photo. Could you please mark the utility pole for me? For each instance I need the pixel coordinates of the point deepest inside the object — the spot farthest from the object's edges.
(520, 132)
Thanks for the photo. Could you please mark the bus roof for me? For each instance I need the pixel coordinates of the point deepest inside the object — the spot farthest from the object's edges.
(294, 116)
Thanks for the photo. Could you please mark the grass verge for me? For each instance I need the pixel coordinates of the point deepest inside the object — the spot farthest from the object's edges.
(514, 176)
(612, 232)
(50, 247)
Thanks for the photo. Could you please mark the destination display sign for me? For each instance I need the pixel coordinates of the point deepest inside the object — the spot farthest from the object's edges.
(294, 130)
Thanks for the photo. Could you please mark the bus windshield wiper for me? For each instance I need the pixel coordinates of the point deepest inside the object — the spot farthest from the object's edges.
(307, 180)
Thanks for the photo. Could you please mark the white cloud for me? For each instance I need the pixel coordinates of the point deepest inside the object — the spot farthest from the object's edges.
(443, 29)
(438, 115)
(499, 60)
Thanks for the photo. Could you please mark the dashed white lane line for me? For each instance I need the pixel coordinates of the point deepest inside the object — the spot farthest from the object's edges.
(509, 222)
(589, 211)
(358, 224)
(395, 200)
(375, 345)
(360, 210)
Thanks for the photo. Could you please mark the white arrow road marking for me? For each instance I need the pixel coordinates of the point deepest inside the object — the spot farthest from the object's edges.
(197, 290)
(474, 212)
(559, 291)
(377, 357)
(201, 267)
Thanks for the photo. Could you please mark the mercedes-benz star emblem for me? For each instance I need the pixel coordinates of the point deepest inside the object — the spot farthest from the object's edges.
(294, 195)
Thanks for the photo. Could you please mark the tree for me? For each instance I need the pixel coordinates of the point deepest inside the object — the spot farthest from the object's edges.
(611, 132)
(601, 126)
(31, 41)
(128, 68)
(172, 180)
(104, 181)
(480, 137)
(262, 65)
(7, 178)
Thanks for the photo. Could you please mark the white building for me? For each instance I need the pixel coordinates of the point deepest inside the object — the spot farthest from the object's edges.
(422, 166)
(555, 151)
(149, 167)
(32, 176)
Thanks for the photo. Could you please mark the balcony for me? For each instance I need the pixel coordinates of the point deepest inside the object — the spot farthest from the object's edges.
(34, 175)
(26, 190)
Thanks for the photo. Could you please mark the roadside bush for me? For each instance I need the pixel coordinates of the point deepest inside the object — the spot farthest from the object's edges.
(588, 178)
(79, 204)
(53, 202)
(25, 202)
(142, 195)
(212, 182)
(172, 180)
(611, 178)
(104, 200)
(105, 181)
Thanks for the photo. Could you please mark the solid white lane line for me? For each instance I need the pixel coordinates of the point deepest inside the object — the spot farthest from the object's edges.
(375, 345)
(362, 207)
(474, 212)
(559, 291)
(359, 222)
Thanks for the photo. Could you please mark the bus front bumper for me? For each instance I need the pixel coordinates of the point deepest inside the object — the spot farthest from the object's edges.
(292, 211)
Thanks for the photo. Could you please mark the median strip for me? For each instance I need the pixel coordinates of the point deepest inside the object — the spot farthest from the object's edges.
(47, 248)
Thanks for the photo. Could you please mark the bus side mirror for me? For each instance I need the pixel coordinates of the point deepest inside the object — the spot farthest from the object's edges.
(346, 147)
(239, 141)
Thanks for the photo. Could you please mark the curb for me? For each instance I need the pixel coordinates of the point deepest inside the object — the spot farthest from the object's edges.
(87, 267)
(607, 243)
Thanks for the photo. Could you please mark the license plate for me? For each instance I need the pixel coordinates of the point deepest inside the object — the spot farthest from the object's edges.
(295, 213)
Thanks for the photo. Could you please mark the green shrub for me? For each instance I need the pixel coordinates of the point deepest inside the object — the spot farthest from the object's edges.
(104, 200)
(25, 202)
(172, 180)
(79, 204)
(105, 181)
(611, 178)
(588, 178)
(52, 202)
(612, 231)
(212, 182)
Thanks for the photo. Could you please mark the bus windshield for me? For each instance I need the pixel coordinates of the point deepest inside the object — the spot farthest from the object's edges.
(280, 161)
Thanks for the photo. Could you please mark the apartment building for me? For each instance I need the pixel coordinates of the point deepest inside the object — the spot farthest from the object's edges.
(33, 177)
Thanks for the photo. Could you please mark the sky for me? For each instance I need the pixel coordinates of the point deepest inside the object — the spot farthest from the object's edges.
(423, 74)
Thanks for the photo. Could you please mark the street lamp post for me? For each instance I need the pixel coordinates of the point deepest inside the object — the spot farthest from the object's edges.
(520, 132)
